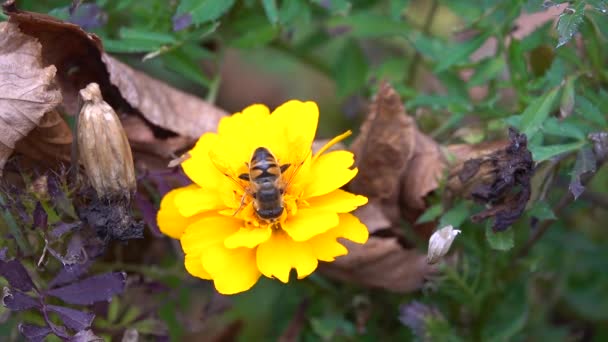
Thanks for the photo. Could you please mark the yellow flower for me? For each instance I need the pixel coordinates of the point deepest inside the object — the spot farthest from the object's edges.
(224, 237)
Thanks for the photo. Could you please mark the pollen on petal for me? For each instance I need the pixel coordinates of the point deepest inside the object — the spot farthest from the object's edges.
(309, 222)
(248, 237)
(277, 256)
(329, 172)
(232, 270)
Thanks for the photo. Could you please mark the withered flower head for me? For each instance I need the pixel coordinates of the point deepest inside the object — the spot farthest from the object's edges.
(103, 146)
(499, 179)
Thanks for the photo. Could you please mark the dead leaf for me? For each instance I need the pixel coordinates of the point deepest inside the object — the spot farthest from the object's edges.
(49, 142)
(79, 58)
(161, 104)
(28, 91)
(381, 263)
(398, 164)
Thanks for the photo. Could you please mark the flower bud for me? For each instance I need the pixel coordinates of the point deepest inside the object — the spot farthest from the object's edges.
(440, 242)
(103, 146)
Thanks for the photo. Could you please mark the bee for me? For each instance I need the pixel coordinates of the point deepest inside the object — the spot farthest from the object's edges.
(266, 183)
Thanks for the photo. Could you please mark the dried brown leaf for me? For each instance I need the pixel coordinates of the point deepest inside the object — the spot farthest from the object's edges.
(28, 91)
(381, 263)
(161, 104)
(80, 60)
(49, 142)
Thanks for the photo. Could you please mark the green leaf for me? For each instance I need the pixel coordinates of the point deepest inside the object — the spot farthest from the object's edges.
(567, 102)
(488, 70)
(541, 153)
(129, 46)
(397, 7)
(542, 211)
(456, 215)
(509, 315)
(569, 22)
(350, 71)
(431, 213)
(271, 10)
(599, 5)
(589, 111)
(367, 25)
(535, 114)
(501, 241)
(459, 53)
(290, 9)
(203, 11)
(181, 62)
(335, 7)
(563, 128)
(144, 35)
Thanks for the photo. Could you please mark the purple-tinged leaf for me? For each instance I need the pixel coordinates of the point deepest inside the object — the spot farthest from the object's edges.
(40, 217)
(161, 183)
(148, 213)
(93, 289)
(85, 336)
(16, 300)
(88, 16)
(75, 253)
(69, 273)
(74, 319)
(34, 333)
(16, 275)
(3, 252)
(63, 228)
(182, 21)
(585, 165)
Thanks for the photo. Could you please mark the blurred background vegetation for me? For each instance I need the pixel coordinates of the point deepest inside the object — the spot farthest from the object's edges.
(466, 70)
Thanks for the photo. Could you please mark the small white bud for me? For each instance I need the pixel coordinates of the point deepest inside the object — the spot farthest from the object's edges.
(440, 242)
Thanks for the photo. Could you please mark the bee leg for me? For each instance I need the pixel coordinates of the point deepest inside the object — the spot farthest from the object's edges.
(244, 176)
(240, 206)
(284, 167)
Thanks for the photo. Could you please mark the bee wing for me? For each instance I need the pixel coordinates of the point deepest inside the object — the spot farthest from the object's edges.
(222, 166)
(300, 159)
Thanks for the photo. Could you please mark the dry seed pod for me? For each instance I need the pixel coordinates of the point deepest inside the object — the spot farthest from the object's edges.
(103, 146)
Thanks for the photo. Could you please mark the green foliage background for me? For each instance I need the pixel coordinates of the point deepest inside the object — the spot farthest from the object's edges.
(559, 291)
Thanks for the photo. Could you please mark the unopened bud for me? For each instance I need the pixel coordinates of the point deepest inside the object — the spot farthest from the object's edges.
(440, 242)
(103, 146)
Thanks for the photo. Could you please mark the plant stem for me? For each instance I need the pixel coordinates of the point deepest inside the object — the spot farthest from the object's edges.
(428, 24)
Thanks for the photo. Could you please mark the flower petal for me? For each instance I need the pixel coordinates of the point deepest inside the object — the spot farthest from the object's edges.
(309, 222)
(352, 229)
(248, 237)
(169, 219)
(277, 256)
(299, 123)
(208, 231)
(338, 201)
(329, 172)
(325, 246)
(194, 265)
(232, 270)
(197, 200)
(199, 167)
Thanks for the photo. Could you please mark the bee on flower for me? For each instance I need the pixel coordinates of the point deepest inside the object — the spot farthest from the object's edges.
(262, 202)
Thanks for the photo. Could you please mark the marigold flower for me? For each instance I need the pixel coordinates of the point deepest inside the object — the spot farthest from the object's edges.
(224, 237)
